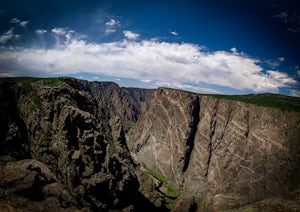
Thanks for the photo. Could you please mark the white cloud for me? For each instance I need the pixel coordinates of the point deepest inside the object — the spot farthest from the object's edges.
(108, 30)
(40, 31)
(112, 22)
(234, 50)
(146, 80)
(295, 93)
(6, 75)
(298, 73)
(183, 66)
(8, 35)
(174, 33)
(281, 78)
(18, 21)
(275, 63)
(130, 35)
(182, 86)
(66, 33)
(15, 20)
(59, 31)
(24, 23)
(111, 26)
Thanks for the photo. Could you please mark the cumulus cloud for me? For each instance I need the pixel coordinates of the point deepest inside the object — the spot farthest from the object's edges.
(111, 26)
(112, 22)
(281, 78)
(234, 50)
(146, 80)
(108, 30)
(174, 33)
(59, 31)
(8, 35)
(178, 65)
(15, 20)
(274, 63)
(183, 86)
(24, 23)
(64, 32)
(18, 21)
(6, 75)
(130, 35)
(40, 31)
(295, 93)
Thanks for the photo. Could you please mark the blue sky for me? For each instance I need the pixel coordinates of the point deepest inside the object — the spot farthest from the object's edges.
(231, 47)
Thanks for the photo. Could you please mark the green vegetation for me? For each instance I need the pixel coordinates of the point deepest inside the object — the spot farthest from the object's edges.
(27, 84)
(112, 145)
(282, 102)
(156, 173)
(52, 82)
(91, 197)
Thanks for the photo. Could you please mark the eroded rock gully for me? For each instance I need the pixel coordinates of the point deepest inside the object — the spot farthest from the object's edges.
(69, 145)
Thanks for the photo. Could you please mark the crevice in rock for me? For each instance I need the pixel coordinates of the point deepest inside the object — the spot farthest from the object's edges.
(247, 118)
(213, 123)
(191, 137)
(14, 139)
(228, 119)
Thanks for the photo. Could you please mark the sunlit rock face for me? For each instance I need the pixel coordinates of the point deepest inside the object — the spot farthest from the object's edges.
(226, 152)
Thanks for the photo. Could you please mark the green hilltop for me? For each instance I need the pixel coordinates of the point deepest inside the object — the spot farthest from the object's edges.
(282, 102)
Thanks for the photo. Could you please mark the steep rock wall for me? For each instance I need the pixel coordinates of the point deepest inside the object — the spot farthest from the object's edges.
(57, 133)
(121, 105)
(226, 152)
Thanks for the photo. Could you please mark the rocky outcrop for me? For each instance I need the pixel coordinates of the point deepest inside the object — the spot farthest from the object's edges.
(62, 127)
(28, 185)
(288, 202)
(226, 153)
(122, 105)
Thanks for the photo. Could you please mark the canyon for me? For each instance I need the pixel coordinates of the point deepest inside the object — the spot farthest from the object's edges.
(68, 144)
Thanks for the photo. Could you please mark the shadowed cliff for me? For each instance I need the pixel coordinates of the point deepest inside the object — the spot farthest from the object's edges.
(58, 150)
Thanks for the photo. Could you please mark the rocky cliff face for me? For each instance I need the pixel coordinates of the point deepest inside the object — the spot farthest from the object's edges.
(225, 153)
(64, 145)
(122, 105)
(58, 150)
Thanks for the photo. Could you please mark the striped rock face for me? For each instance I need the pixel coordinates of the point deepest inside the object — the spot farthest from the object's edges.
(225, 152)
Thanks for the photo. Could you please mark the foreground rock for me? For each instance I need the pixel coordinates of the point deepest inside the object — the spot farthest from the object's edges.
(289, 202)
(28, 185)
(59, 133)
